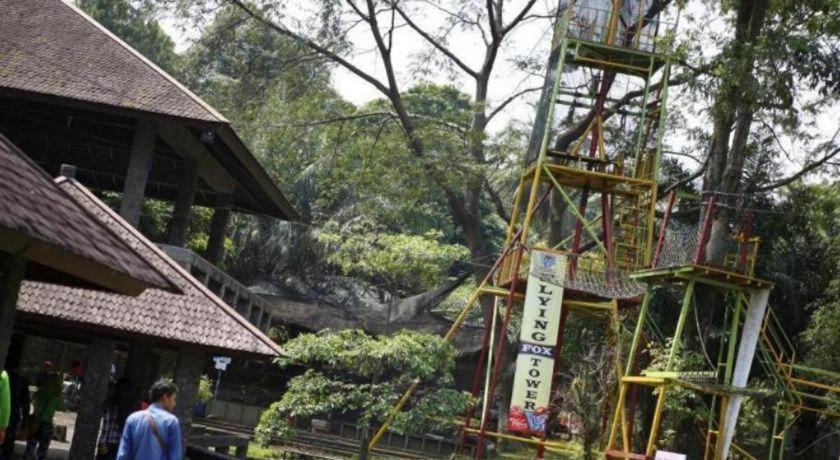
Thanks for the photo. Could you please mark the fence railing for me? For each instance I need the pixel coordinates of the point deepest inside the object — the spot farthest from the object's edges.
(635, 25)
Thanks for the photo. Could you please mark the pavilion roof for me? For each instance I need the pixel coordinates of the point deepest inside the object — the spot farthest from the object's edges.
(51, 52)
(51, 47)
(196, 317)
(41, 223)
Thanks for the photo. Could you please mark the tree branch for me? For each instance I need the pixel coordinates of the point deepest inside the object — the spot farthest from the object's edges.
(439, 46)
(357, 10)
(355, 116)
(462, 130)
(802, 172)
(497, 201)
(685, 180)
(576, 129)
(507, 101)
(311, 44)
(491, 18)
(518, 17)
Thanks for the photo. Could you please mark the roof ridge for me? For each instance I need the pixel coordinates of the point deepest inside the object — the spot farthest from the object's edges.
(221, 118)
(174, 265)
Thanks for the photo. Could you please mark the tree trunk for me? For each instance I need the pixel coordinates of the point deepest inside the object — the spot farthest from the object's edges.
(734, 106)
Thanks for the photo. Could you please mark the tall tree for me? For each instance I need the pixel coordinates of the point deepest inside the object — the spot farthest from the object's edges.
(381, 19)
(135, 23)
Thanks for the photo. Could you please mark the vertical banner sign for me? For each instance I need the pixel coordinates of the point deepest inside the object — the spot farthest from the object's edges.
(537, 340)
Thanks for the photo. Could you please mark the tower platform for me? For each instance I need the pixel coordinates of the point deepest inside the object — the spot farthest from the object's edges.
(702, 274)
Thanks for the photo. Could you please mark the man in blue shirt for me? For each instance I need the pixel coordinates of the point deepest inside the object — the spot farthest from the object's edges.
(154, 433)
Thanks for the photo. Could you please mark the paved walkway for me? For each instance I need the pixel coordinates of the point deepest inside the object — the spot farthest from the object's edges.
(58, 450)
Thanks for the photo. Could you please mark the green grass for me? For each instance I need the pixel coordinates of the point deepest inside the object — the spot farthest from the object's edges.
(257, 451)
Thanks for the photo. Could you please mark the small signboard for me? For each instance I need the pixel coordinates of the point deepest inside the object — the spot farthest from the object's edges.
(665, 455)
(221, 362)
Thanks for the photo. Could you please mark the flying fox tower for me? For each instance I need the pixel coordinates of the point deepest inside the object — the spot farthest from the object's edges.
(603, 184)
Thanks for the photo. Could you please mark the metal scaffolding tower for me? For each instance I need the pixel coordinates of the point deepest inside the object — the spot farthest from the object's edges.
(604, 261)
(606, 182)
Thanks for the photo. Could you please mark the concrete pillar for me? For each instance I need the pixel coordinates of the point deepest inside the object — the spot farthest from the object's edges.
(179, 224)
(191, 363)
(12, 269)
(746, 351)
(137, 378)
(218, 226)
(137, 174)
(100, 357)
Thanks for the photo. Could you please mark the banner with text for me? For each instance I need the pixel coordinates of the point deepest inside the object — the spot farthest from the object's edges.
(537, 340)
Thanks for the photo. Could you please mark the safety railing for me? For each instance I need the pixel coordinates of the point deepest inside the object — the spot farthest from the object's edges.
(634, 24)
(585, 272)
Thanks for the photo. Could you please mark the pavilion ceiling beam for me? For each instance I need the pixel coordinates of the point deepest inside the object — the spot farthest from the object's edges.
(186, 145)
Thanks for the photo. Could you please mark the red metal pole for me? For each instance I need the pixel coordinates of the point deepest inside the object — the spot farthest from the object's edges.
(500, 349)
(606, 83)
(631, 405)
(672, 198)
(561, 334)
(704, 233)
(606, 228)
(488, 325)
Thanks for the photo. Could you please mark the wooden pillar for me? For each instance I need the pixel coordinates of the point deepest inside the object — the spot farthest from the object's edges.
(218, 226)
(12, 269)
(191, 363)
(183, 204)
(137, 174)
(136, 375)
(100, 357)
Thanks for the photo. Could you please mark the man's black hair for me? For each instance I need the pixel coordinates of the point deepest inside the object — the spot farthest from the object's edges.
(160, 389)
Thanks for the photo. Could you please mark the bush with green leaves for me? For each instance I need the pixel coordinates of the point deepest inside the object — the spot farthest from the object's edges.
(356, 375)
(205, 389)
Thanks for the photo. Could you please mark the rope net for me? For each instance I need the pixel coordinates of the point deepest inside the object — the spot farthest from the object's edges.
(586, 273)
(680, 248)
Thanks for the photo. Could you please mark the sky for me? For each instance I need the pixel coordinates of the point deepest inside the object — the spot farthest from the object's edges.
(530, 40)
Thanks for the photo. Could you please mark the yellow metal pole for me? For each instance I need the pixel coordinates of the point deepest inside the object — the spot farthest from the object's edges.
(394, 411)
(574, 209)
(651, 215)
(722, 422)
(618, 415)
(489, 366)
(514, 214)
(672, 356)
(657, 420)
(613, 27)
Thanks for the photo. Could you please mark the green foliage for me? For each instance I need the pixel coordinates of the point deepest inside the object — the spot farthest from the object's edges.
(352, 373)
(205, 388)
(407, 263)
(135, 23)
(346, 169)
(823, 334)
(682, 406)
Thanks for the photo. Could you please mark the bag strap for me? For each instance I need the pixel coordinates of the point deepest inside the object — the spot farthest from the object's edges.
(156, 433)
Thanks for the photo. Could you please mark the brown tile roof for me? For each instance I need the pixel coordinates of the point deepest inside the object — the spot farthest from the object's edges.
(52, 47)
(43, 224)
(195, 317)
